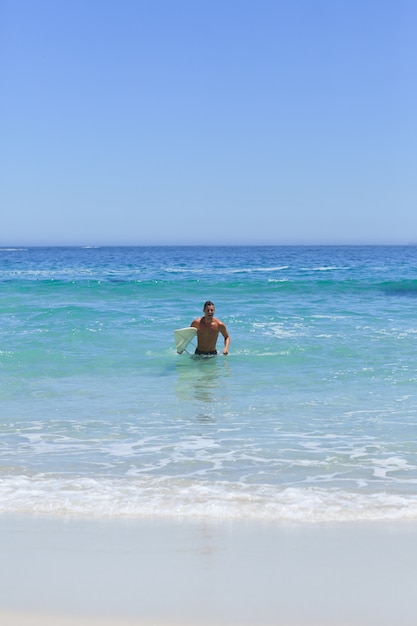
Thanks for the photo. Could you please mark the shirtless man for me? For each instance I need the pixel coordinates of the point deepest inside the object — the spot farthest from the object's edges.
(208, 329)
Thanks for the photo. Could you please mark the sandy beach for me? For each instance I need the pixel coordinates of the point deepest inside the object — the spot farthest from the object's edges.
(66, 572)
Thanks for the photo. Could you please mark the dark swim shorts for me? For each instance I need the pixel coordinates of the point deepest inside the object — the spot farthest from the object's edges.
(201, 353)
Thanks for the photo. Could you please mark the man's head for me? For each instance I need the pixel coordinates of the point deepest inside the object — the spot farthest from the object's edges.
(208, 308)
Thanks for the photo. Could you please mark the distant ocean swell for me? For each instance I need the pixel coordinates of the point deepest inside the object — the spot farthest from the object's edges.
(121, 286)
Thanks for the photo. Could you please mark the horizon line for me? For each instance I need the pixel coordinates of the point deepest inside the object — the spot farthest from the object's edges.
(16, 246)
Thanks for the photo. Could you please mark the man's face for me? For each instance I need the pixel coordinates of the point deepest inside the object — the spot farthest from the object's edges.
(209, 310)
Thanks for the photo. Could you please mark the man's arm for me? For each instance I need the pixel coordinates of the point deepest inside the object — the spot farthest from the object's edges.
(226, 336)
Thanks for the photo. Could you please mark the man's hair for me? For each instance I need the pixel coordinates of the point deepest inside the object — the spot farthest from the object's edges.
(208, 303)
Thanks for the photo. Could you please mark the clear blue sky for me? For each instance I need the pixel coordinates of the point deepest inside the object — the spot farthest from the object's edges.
(229, 121)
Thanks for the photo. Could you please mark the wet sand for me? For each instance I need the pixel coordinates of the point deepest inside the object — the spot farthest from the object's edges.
(156, 572)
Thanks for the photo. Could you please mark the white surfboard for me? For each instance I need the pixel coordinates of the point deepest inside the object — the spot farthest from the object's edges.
(183, 336)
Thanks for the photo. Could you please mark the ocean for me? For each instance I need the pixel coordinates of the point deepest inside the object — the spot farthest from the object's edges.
(312, 417)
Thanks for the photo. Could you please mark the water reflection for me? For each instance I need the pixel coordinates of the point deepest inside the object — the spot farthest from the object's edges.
(201, 380)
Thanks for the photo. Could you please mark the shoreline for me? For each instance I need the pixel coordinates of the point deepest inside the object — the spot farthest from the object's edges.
(159, 572)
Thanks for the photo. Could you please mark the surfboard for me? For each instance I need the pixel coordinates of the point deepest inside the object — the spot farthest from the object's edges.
(183, 336)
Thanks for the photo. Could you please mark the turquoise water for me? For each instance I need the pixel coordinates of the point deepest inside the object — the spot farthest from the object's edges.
(312, 416)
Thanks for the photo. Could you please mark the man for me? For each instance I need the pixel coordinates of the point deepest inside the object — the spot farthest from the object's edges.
(208, 329)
